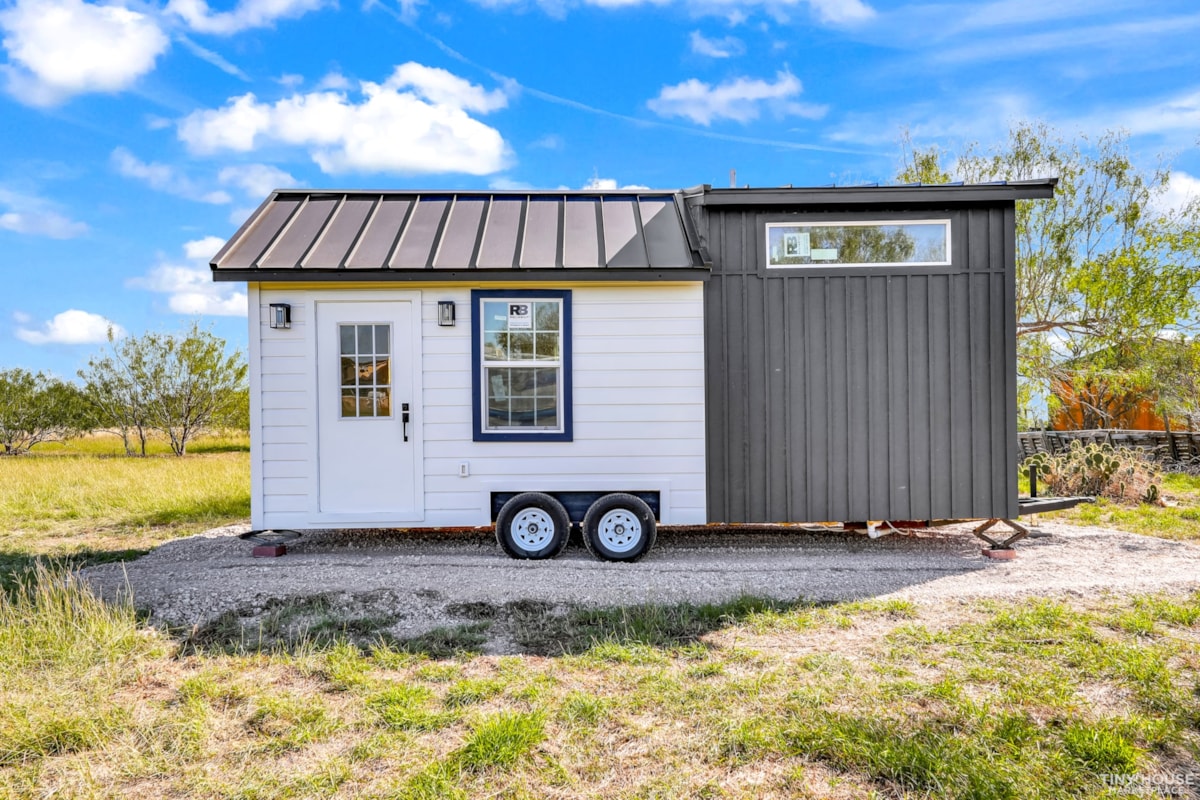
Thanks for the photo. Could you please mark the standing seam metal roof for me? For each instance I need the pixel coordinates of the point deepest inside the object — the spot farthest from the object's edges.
(441, 235)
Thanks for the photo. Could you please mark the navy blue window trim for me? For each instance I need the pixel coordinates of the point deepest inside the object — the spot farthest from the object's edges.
(477, 429)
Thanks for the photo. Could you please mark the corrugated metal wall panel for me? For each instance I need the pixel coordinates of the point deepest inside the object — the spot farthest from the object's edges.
(843, 396)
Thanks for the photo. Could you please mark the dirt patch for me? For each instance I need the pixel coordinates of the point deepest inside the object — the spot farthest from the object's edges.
(446, 592)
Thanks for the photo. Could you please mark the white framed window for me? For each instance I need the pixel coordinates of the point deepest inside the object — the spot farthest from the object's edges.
(869, 243)
(365, 370)
(521, 355)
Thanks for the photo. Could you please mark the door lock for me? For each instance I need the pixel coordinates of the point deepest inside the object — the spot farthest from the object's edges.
(404, 419)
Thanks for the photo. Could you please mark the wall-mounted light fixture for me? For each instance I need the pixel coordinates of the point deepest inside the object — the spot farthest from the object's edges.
(446, 313)
(281, 315)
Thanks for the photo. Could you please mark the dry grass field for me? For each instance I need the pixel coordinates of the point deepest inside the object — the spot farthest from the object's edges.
(1053, 697)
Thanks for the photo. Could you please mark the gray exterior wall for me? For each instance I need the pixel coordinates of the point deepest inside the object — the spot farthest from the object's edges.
(861, 393)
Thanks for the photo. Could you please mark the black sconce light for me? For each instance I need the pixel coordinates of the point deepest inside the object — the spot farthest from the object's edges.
(281, 315)
(446, 313)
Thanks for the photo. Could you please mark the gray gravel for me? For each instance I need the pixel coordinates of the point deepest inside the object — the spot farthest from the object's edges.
(422, 581)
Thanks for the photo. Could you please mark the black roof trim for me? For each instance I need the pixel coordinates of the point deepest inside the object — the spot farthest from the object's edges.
(472, 276)
(877, 195)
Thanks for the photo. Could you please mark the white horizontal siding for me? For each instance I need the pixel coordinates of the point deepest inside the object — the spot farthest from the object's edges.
(638, 386)
(638, 406)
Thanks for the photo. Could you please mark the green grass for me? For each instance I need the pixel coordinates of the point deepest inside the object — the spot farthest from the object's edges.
(1007, 699)
(84, 504)
(878, 698)
(1179, 519)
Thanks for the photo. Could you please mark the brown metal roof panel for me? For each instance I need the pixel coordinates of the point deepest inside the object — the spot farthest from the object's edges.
(415, 250)
(663, 229)
(259, 237)
(541, 233)
(377, 240)
(581, 239)
(301, 232)
(340, 234)
(501, 234)
(461, 233)
(623, 244)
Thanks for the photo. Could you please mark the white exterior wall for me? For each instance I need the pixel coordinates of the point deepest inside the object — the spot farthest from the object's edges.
(638, 383)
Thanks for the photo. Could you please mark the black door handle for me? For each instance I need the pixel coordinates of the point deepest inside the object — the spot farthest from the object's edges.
(404, 419)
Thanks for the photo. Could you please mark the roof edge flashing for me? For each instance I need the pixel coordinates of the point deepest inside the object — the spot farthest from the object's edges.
(909, 194)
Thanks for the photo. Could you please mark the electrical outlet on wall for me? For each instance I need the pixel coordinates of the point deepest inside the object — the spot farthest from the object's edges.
(464, 469)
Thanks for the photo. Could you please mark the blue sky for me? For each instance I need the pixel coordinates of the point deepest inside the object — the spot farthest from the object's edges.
(138, 135)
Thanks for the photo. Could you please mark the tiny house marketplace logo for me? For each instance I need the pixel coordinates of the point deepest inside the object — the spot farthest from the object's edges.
(1159, 784)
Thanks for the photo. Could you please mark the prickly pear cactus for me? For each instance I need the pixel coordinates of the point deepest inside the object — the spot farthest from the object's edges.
(1100, 470)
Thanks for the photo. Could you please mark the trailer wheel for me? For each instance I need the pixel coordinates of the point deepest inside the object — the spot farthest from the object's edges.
(619, 527)
(532, 525)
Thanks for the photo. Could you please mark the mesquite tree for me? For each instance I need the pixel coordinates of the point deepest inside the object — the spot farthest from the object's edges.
(112, 388)
(37, 408)
(1104, 264)
(178, 385)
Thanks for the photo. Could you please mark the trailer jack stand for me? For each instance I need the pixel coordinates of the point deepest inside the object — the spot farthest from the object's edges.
(1001, 548)
(269, 543)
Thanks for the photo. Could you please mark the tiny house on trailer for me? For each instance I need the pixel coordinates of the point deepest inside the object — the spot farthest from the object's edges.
(617, 359)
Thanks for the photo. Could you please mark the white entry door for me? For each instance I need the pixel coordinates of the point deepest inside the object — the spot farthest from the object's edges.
(368, 411)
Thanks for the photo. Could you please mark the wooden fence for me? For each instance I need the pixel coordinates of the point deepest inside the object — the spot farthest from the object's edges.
(1174, 446)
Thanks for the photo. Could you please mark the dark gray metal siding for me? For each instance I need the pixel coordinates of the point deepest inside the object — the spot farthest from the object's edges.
(852, 394)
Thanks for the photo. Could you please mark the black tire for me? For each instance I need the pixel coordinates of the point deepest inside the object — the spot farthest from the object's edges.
(619, 527)
(521, 526)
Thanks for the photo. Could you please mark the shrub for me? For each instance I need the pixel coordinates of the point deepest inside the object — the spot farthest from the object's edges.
(1118, 473)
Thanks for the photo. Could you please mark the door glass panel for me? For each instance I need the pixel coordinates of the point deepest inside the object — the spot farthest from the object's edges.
(365, 370)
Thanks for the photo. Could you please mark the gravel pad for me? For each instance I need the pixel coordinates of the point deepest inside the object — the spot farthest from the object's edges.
(421, 581)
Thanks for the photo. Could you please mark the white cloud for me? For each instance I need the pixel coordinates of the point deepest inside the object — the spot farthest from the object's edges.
(977, 117)
(35, 216)
(1177, 116)
(334, 80)
(725, 47)
(165, 178)
(741, 99)
(835, 12)
(216, 59)
(1182, 190)
(60, 48)
(417, 121)
(551, 141)
(256, 180)
(202, 249)
(189, 286)
(604, 184)
(509, 185)
(70, 327)
(248, 14)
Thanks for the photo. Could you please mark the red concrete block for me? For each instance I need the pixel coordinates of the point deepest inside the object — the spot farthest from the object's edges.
(269, 550)
(1000, 554)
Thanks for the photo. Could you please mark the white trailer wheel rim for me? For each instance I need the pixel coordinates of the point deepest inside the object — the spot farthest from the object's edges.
(532, 528)
(619, 530)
